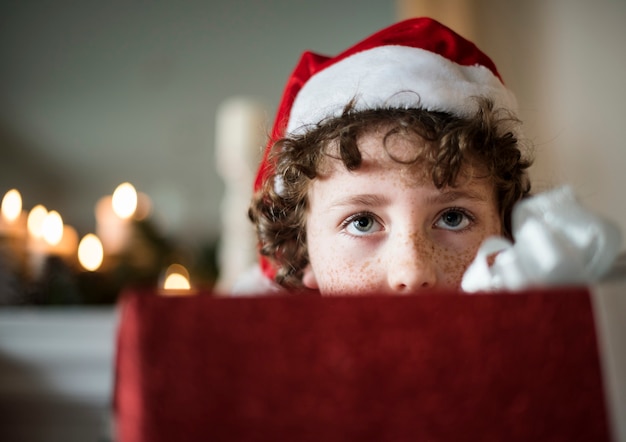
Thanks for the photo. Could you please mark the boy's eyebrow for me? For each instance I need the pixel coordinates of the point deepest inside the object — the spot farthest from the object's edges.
(453, 195)
(366, 199)
(374, 200)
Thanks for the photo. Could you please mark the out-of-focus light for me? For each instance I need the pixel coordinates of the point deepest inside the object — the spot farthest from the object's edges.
(90, 252)
(176, 281)
(11, 205)
(35, 220)
(52, 228)
(124, 200)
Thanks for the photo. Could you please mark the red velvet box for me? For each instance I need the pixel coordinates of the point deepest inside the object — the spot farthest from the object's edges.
(433, 367)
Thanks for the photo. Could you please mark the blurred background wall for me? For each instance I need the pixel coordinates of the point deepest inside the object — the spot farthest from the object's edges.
(96, 93)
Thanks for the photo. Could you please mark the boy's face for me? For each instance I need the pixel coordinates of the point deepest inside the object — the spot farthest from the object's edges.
(385, 227)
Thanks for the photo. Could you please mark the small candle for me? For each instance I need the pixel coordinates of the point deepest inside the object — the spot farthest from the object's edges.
(36, 245)
(50, 237)
(13, 219)
(35, 220)
(90, 252)
(176, 281)
(124, 200)
(11, 206)
(13, 231)
(52, 228)
(113, 218)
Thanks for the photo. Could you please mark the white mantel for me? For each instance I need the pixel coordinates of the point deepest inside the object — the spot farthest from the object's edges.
(56, 373)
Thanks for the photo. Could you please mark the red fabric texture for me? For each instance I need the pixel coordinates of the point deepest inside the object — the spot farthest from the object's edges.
(440, 367)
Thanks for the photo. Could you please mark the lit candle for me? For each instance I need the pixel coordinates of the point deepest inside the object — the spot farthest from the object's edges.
(176, 281)
(52, 228)
(113, 218)
(13, 220)
(95, 282)
(124, 200)
(50, 237)
(11, 206)
(90, 252)
(59, 239)
(35, 220)
(37, 247)
(13, 231)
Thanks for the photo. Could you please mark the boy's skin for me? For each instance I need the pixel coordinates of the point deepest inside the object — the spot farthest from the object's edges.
(385, 227)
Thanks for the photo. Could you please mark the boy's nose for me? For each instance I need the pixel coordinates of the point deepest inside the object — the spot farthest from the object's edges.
(411, 267)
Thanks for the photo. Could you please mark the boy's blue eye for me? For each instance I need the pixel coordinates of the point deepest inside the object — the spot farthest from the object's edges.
(362, 225)
(453, 219)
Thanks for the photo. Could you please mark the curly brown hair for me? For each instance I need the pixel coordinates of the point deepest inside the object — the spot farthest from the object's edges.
(487, 140)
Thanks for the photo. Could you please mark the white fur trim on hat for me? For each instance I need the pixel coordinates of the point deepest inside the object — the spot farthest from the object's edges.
(397, 77)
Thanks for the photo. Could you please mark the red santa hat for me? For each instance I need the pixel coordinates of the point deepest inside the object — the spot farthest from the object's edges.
(416, 63)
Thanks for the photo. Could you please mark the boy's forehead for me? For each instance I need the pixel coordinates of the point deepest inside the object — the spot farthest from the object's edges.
(383, 143)
(383, 151)
(400, 154)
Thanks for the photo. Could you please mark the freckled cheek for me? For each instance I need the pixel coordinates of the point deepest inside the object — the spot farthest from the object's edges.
(454, 257)
(453, 262)
(368, 276)
(349, 277)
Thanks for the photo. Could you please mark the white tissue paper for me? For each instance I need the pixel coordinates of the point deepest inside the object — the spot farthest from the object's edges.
(557, 242)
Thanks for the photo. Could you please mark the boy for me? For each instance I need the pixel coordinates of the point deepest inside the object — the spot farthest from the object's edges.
(388, 165)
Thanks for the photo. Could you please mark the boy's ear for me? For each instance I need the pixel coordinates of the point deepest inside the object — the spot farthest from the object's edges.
(308, 278)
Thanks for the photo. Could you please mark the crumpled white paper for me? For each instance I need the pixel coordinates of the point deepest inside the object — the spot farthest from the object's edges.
(557, 242)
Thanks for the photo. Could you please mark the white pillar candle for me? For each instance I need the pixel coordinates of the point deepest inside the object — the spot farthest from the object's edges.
(240, 134)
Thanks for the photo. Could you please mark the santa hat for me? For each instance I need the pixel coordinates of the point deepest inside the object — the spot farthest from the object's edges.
(416, 63)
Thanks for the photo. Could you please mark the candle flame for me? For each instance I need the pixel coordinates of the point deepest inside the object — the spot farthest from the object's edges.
(52, 228)
(11, 205)
(176, 281)
(35, 220)
(124, 200)
(176, 278)
(90, 252)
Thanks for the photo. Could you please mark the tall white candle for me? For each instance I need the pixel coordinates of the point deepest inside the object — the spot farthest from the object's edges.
(240, 133)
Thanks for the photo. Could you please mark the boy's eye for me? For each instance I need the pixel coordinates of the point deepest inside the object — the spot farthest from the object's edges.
(453, 219)
(362, 225)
